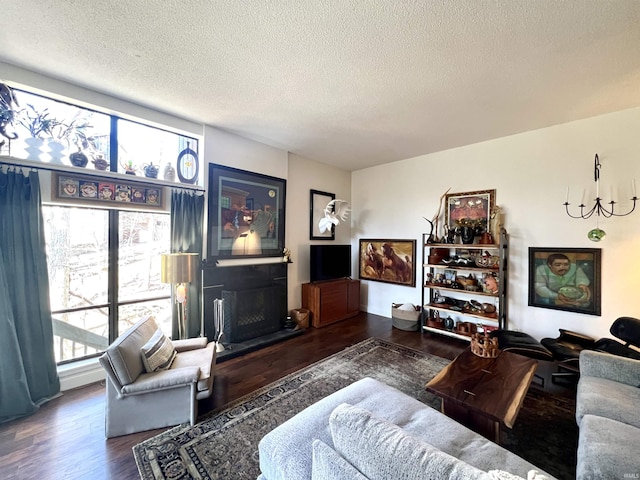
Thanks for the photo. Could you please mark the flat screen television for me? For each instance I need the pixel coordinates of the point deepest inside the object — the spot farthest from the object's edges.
(328, 262)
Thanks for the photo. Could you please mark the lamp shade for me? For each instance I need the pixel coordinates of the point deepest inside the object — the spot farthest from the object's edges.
(178, 267)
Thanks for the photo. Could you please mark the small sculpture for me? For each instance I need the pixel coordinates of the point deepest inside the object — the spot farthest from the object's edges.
(497, 221)
(129, 167)
(484, 346)
(169, 173)
(335, 211)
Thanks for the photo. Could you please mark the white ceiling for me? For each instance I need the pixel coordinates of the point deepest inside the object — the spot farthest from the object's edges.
(352, 83)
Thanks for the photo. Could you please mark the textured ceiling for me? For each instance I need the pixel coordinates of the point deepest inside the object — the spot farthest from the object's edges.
(345, 82)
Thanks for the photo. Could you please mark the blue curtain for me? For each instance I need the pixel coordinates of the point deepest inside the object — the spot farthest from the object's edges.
(187, 216)
(28, 375)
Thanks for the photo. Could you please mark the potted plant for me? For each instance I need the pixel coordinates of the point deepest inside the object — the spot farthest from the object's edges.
(75, 134)
(40, 125)
(7, 113)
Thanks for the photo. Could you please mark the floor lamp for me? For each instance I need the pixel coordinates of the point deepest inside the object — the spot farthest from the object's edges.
(179, 269)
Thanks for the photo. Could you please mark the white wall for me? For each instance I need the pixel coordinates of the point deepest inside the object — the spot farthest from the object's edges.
(531, 173)
(302, 175)
(306, 175)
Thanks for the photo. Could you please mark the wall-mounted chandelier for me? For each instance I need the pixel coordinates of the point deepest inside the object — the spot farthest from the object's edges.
(599, 207)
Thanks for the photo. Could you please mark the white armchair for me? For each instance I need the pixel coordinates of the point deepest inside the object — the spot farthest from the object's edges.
(137, 400)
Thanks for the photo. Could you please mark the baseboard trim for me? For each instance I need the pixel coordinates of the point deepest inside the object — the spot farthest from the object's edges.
(79, 374)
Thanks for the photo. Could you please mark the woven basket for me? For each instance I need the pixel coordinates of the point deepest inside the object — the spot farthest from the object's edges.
(301, 317)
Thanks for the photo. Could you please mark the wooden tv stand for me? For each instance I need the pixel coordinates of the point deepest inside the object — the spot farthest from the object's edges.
(331, 301)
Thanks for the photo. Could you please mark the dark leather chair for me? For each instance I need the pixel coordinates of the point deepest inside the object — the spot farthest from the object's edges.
(566, 351)
(626, 329)
(522, 344)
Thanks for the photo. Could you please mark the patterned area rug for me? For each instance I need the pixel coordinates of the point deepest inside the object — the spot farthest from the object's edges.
(224, 444)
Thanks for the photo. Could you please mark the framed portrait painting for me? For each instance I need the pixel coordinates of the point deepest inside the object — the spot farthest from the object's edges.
(317, 203)
(390, 261)
(565, 279)
(470, 209)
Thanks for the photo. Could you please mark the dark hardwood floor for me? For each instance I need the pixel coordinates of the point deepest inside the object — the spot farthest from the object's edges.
(65, 439)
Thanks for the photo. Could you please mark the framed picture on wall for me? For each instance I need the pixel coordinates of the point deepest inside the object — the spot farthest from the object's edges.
(246, 213)
(565, 279)
(470, 209)
(317, 203)
(390, 261)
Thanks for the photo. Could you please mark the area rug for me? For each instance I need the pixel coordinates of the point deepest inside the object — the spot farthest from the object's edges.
(224, 444)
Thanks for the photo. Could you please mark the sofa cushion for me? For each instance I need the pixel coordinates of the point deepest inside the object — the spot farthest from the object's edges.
(158, 353)
(203, 358)
(607, 449)
(327, 463)
(285, 452)
(383, 451)
(609, 399)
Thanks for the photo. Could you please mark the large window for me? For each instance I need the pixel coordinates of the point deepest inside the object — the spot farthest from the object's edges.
(53, 132)
(104, 264)
(88, 291)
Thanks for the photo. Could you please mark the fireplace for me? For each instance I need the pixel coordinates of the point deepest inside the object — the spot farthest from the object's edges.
(255, 305)
(250, 313)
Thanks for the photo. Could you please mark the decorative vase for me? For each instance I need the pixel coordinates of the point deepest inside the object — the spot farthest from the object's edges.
(486, 238)
(449, 323)
(150, 171)
(78, 159)
(33, 148)
(169, 173)
(55, 151)
(100, 163)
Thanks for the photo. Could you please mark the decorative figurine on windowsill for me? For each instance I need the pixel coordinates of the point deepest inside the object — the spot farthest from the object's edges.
(129, 168)
(150, 170)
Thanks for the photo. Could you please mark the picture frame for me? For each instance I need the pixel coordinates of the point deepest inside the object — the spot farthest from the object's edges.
(246, 213)
(470, 209)
(565, 279)
(113, 193)
(317, 203)
(388, 261)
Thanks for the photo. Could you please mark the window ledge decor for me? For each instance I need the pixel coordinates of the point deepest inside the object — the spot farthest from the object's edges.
(105, 191)
(246, 214)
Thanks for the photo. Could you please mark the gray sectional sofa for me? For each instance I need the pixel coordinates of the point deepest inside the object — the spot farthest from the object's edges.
(608, 414)
(369, 430)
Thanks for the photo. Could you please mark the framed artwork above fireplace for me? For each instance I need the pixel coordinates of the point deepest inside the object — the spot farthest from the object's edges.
(246, 213)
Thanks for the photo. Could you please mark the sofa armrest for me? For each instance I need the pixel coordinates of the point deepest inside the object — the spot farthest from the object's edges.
(162, 380)
(190, 344)
(612, 367)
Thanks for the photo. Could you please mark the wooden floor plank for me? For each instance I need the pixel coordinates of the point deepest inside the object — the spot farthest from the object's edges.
(65, 438)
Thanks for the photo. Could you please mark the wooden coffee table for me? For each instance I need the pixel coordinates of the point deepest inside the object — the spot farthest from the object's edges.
(484, 394)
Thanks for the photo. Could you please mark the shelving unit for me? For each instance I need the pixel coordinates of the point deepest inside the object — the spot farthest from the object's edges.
(445, 270)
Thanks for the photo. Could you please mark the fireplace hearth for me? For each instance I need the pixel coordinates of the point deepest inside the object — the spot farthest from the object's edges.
(255, 306)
